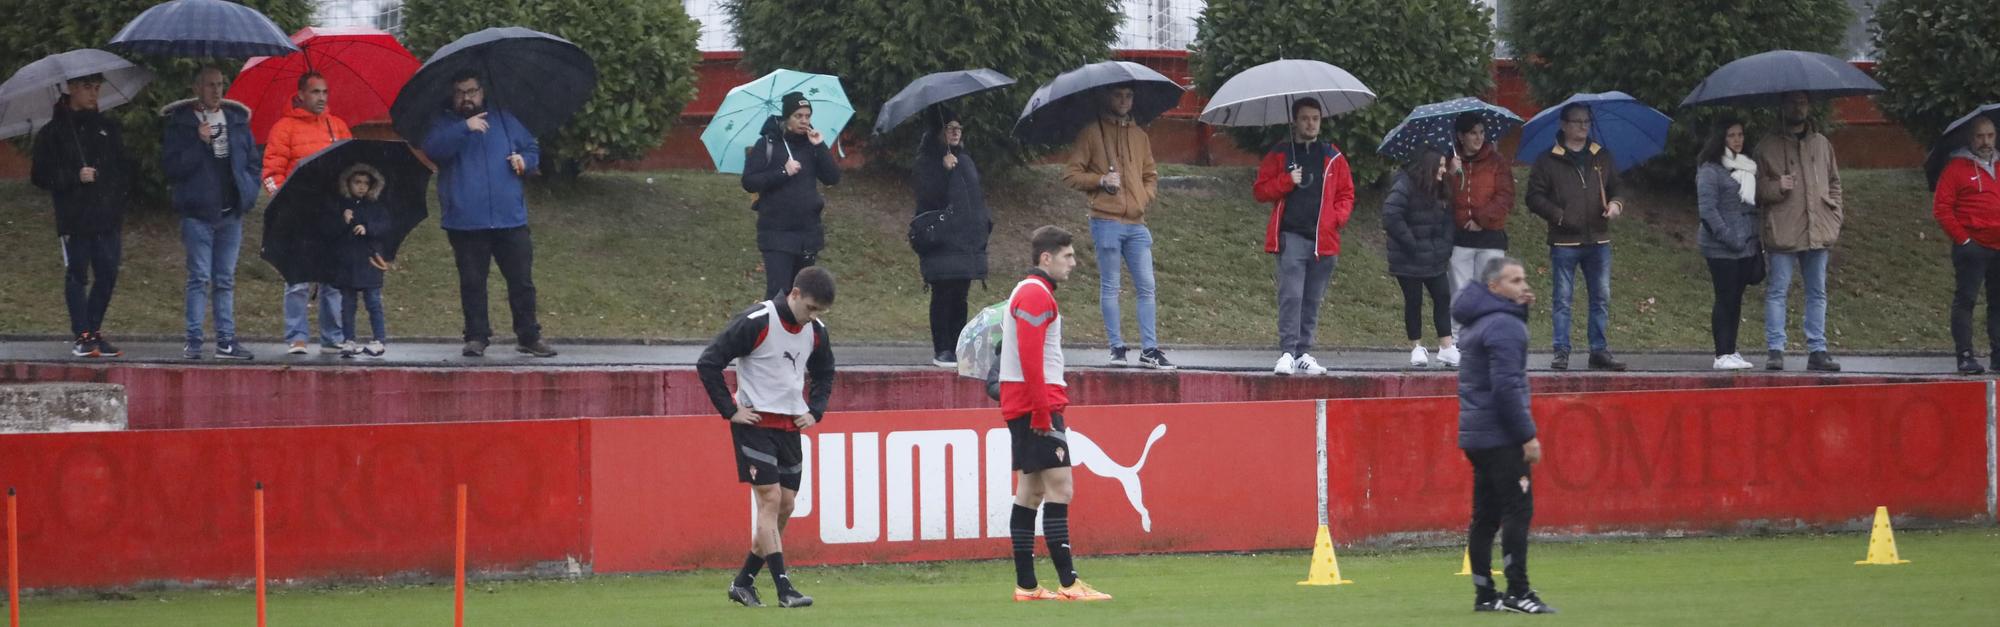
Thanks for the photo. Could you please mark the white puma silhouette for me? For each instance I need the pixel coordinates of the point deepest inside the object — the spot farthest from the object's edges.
(1085, 454)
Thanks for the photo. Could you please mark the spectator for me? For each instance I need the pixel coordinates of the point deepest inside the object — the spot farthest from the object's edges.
(953, 243)
(789, 232)
(1312, 196)
(1726, 188)
(1103, 153)
(358, 222)
(1967, 205)
(80, 159)
(1418, 215)
(1798, 188)
(306, 129)
(1482, 195)
(211, 161)
(482, 154)
(1574, 187)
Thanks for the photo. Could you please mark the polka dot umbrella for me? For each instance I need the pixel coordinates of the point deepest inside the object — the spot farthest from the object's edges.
(1433, 126)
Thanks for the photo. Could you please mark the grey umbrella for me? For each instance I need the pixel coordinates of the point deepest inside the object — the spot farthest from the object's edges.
(1762, 79)
(1263, 95)
(28, 98)
(1953, 139)
(935, 88)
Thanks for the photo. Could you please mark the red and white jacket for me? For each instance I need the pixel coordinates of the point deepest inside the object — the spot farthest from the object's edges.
(1336, 204)
(1031, 367)
(1967, 203)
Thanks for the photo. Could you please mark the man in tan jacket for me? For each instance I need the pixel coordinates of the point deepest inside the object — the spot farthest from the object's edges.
(1798, 191)
(1104, 154)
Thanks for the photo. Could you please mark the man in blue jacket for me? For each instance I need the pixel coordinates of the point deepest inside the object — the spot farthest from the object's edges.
(482, 154)
(212, 162)
(1497, 431)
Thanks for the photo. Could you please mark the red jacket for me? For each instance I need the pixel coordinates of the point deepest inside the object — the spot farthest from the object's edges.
(1967, 203)
(296, 136)
(1336, 202)
(1484, 191)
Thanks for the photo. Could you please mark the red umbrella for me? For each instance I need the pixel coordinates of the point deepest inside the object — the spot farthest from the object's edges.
(364, 69)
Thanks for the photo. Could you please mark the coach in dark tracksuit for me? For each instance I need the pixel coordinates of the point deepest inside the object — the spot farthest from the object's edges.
(1497, 431)
(785, 171)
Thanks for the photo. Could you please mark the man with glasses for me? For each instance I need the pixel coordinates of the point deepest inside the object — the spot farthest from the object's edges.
(1574, 187)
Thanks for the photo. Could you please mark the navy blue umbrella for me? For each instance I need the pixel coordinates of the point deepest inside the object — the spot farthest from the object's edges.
(1061, 108)
(1952, 140)
(1633, 131)
(935, 88)
(542, 79)
(1761, 80)
(202, 28)
(1434, 126)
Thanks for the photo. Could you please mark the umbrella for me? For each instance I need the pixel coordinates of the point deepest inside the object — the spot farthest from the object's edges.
(364, 68)
(935, 88)
(28, 98)
(292, 243)
(1952, 140)
(542, 79)
(1263, 95)
(739, 120)
(1061, 108)
(202, 28)
(1633, 131)
(1435, 126)
(1762, 79)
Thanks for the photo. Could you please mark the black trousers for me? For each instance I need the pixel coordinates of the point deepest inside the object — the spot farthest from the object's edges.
(779, 270)
(88, 257)
(476, 252)
(1731, 278)
(1501, 502)
(1974, 267)
(948, 311)
(1413, 304)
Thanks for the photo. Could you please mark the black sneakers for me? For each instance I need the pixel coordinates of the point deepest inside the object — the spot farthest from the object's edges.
(1775, 360)
(84, 347)
(1560, 361)
(793, 598)
(945, 359)
(193, 350)
(104, 346)
(230, 349)
(1529, 603)
(1118, 359)
(474, 348)
(1153, 358)
(1968, 364)
(745, 595)
(1819, 361)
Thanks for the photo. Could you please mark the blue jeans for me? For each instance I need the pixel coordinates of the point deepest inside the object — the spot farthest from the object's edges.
(1596, 262)
(1778, 285)
(373, 298)
(1133, 243)
(298, 296)
(211, 249)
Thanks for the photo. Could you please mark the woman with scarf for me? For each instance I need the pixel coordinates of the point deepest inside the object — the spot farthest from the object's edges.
(1726, 187)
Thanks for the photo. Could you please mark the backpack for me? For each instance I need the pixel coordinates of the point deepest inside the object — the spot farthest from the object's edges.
(979, 342)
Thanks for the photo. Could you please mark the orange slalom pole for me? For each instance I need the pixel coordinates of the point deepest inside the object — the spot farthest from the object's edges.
(13, 564)
(258, 523)
(458, 601)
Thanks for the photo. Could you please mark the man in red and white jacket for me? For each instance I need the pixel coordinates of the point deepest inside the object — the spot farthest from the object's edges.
(1312, 195)
(1967, 205)
(1032, 398)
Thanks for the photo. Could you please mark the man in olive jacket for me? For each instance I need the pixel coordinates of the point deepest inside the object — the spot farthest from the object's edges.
(1574, 187)
(1798, 189)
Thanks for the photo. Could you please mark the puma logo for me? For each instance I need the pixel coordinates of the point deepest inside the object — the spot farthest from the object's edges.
(792, 358)
(1094, 459)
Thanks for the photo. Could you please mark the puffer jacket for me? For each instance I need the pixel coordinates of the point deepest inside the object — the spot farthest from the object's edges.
(1483, 191)
(296, 136)
(960, 254)
(351, 253)
(1419, 227)
(1493, 409)
(200, 190)
(788, 206)
(1728, 225)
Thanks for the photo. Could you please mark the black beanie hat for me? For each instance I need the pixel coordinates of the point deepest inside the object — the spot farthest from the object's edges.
(793, 102)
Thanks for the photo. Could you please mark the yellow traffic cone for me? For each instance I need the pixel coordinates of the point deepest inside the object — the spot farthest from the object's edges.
(1325, 569)
(1882, 542)
(1465, 568)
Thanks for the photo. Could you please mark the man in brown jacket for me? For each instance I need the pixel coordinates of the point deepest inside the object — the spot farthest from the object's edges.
(1574, 187)
(1104, 153)
(1798, 191)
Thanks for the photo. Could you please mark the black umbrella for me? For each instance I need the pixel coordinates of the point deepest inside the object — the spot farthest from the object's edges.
(540, 78)
(1952, 140)
(1062, 107)
(294, 245)
(202, 28)
(935, 88)
(1761, 80)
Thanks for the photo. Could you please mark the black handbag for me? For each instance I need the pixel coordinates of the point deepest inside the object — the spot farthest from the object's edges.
(927, 230)
(1755, 269)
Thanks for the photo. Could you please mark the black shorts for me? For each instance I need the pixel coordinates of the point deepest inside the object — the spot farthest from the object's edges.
(1036, 452)
(765, 456)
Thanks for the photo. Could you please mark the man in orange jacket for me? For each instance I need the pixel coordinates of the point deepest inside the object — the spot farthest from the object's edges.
(306, 129)
(1967, 205)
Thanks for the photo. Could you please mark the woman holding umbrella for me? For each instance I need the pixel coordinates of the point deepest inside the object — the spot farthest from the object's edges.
(951, 230)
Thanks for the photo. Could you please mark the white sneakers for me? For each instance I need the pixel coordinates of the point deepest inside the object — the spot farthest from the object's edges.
(1286, 365)
(1420, 358)
(1448, 356)
(1308, 365)
(1304, 364)
(1732, 361)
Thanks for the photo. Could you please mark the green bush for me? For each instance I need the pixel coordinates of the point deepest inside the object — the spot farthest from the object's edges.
(645, 54)
(1410, 52)
(878, 46)
(1937, 61)
(1658, 52)
(56, 27)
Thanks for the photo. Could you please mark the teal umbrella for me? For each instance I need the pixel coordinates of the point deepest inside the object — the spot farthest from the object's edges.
(739, 122)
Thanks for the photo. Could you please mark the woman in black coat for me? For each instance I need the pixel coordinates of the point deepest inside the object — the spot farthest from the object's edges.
(950, 229)
(1417, 216)
(356, 221)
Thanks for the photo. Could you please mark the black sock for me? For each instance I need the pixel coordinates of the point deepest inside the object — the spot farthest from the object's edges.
(1023, 528)
(748, 576)
(777, 563)
(1055, 532)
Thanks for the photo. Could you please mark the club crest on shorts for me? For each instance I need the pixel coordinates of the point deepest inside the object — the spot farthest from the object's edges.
(1524, 484)
(753, 473)
(1060, 454)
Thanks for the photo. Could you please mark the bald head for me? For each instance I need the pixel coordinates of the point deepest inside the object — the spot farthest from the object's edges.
(1980, 142)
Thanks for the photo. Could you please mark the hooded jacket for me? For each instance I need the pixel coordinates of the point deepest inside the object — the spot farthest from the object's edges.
(296, 136)
(202, 183)
(351, 253)
(1967, 201)
(1483, 192)
(1492, 370)
(477, 189)
(1809, 216)
(961, 252)
(1336, 201)
(71, 141)
(1419, 227)
(1569, 190)
(1114, 141)
(788, 206)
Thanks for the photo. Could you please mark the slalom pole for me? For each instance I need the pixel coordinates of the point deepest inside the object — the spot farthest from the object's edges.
(13, 564)
(257, 523)
(458, 567)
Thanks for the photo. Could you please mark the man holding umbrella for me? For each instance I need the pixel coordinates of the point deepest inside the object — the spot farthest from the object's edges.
(482, 156)
(211, 161)
(1574, 187)
(1798, 190)
(305, 129)
(1312, 196)
(79, 158)
(1967, 204)
(1105, 151)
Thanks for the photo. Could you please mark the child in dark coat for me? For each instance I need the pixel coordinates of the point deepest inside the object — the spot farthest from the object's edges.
(357, 224)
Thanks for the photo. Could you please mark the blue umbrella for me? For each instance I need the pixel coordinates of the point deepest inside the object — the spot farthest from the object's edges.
(1633, 131)
(739, 120)
(1952, 140)
(202, 28)
(935, 88)
(1434, 126)
(1762, 79)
